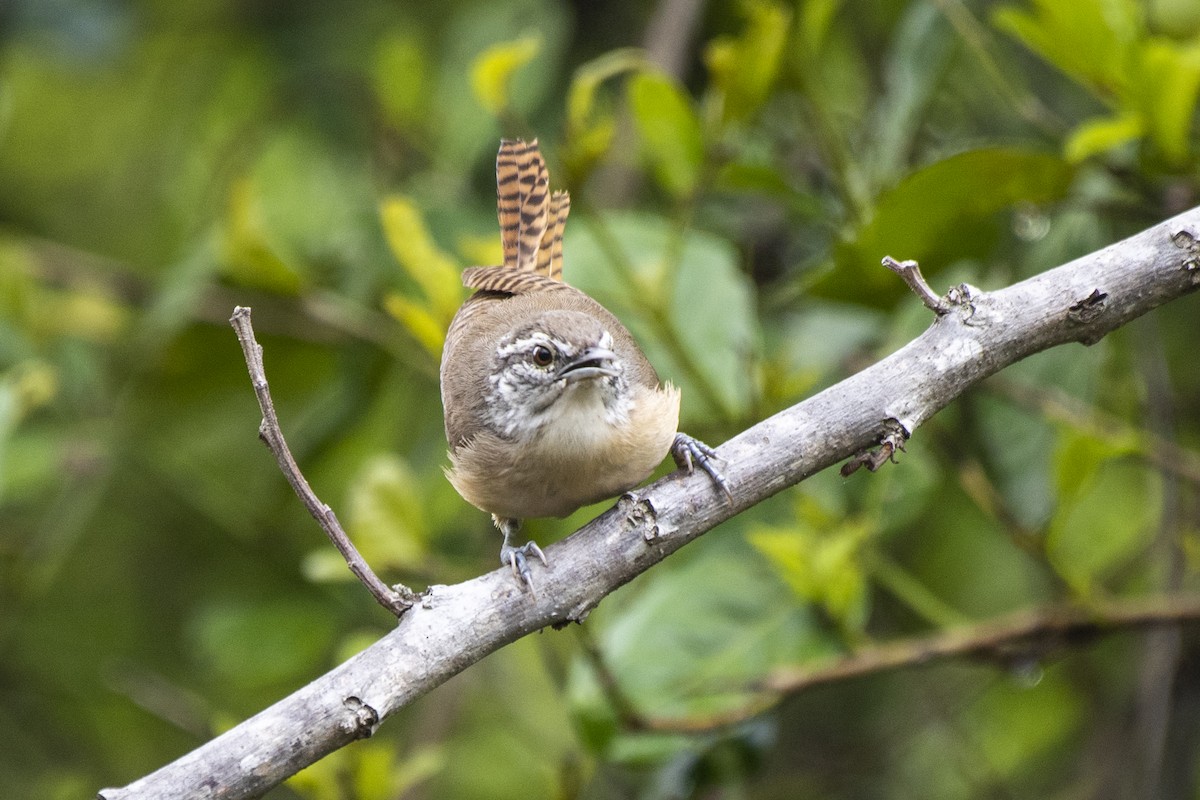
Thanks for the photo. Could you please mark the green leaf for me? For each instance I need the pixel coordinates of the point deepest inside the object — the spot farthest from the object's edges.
(683, 298)
(1090, 40)
(1152, 82)
(296, 213)
(1105, 516)
(1168, 82)
(256, 645)
(1080, 456)
(1018, 725)
(511, 732)
(744, 68)
(915, 67)
(591, 123)
(386, 518)
(492, 73)
(941, 213)
(668, 666)
(670, 131)
(1097, 136)
(582, 94)
(250, 257)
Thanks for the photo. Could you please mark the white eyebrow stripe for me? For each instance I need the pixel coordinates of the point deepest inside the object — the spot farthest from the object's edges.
(524, 344)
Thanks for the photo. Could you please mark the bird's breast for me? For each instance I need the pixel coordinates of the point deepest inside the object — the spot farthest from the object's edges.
(584, 452)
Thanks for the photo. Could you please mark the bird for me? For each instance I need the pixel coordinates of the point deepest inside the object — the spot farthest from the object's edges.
(549, 403)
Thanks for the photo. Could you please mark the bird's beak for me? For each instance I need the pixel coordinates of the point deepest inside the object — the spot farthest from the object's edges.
(594, 362)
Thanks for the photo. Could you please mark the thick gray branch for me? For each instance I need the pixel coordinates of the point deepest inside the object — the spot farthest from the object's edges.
(452, 627)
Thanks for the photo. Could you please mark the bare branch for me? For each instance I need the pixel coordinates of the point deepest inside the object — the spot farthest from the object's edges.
(1017, 640)
(452, 627)
(394, 600)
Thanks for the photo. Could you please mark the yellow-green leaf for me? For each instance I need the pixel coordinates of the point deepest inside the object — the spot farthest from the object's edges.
(822, 567)
(250, 257)
(492, 73)
(581, 96)
(33, 383)
(386, 516)
(1100, 135)
(481, 250)
(400, 77)
(428, 330)
(1018, 725)
(1103, 524)
(591, 126)
(816, 18)
(411, 243)
(744, 68)
(1090, 40)
(1167, 87)
(669, 129)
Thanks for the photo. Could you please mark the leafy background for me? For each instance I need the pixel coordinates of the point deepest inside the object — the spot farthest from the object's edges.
(738, 170)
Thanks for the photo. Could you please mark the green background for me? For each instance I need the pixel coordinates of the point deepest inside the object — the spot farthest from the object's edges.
(737, 169)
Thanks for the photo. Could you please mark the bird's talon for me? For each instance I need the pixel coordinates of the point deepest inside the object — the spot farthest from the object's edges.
(515, 557)
(689, 451)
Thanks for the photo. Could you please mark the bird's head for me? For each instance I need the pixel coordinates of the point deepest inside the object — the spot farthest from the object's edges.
(561, 368)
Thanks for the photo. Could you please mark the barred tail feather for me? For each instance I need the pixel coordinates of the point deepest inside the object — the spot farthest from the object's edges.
(552, 242)
(508, 198)
(531, 220)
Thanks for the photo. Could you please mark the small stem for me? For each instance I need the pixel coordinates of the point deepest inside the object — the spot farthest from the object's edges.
(269, 431)
(1007, 640)
(910, 273)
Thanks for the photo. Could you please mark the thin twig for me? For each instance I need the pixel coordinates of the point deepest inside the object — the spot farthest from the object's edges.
(395, 600)
(910, 273)
(1013, 641)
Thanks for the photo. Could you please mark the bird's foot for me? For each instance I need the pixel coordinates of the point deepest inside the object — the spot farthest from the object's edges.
(518, 559)
(689, 452)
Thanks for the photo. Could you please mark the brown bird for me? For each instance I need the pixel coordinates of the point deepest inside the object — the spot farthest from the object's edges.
(549, 403)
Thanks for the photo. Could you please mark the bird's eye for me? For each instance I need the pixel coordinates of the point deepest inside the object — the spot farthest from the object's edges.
(542, 356)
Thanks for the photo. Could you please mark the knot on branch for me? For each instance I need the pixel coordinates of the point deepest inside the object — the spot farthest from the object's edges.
(640, 515)
(1185, 240)
(1088, 308)
(1086, 311)
(361, 720)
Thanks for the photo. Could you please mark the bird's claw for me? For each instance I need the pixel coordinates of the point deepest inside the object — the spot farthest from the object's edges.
(516, 558)
(689, 452)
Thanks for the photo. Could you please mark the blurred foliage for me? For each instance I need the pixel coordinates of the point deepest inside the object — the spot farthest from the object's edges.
(331, 165)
